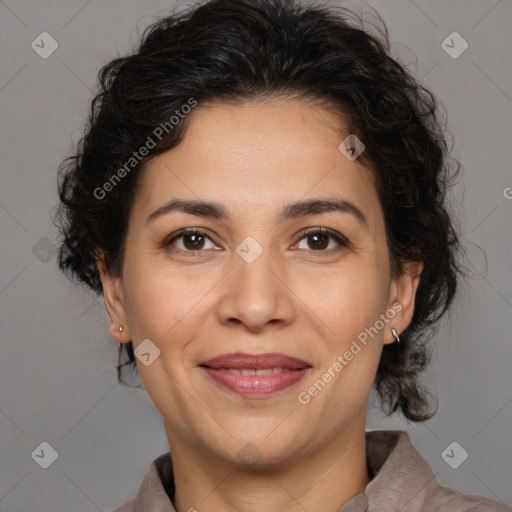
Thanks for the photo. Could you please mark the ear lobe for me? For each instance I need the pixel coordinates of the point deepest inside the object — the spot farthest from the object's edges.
(404, 289)
(114, 301)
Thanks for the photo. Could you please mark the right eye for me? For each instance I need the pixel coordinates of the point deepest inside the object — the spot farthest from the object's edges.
(193, 240)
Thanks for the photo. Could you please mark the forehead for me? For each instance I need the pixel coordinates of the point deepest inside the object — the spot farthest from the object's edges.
(256, 157)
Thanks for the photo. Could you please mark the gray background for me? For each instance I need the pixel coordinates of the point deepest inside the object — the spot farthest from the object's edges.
(57, 377)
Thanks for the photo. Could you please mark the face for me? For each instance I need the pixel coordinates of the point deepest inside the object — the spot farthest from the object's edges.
(261, 279)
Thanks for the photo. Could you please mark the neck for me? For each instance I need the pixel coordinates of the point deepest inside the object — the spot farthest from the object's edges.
(321, 479)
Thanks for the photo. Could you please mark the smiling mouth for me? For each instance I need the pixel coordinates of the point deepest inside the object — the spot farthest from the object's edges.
(255, 375)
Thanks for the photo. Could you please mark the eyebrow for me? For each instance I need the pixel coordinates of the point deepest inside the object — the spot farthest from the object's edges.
(291, 211)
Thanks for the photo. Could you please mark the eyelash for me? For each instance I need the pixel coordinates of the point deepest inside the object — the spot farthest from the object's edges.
(341, 240)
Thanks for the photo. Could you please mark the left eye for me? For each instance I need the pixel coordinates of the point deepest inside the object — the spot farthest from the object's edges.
(319, 237)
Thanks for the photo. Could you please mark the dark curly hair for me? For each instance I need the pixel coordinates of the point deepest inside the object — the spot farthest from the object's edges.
(235, 50)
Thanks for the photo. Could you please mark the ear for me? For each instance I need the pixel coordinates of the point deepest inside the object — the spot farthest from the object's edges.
(114, 301)
(402, 296)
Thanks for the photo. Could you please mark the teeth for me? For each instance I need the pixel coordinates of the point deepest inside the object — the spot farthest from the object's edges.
(263, 371)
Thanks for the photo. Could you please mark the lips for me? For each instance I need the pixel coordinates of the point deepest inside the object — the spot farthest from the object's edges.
(255, 375)
(241, 361)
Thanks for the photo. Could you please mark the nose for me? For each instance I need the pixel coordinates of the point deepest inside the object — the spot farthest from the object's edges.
(255, 295)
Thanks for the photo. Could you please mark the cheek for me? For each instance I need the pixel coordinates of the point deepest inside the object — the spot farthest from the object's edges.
(350, 298)
(158, 298)
(349, 304)
(147, 298)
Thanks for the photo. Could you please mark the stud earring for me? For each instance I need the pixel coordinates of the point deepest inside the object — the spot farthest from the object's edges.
(120, 328)
(395, 334)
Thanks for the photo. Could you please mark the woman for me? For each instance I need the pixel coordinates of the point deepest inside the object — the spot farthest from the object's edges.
(260, 198)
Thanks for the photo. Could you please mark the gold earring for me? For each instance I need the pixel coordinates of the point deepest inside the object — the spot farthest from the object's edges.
(395, 334)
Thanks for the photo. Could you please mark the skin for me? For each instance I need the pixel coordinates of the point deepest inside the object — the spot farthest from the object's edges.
(294, 299)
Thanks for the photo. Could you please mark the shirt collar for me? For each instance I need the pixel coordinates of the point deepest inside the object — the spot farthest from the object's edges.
(401, 478)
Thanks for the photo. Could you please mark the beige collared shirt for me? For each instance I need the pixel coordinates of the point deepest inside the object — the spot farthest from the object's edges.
(402, 481)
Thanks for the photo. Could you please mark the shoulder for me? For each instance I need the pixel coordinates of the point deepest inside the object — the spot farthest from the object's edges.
(446, 499)
(404, 481)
